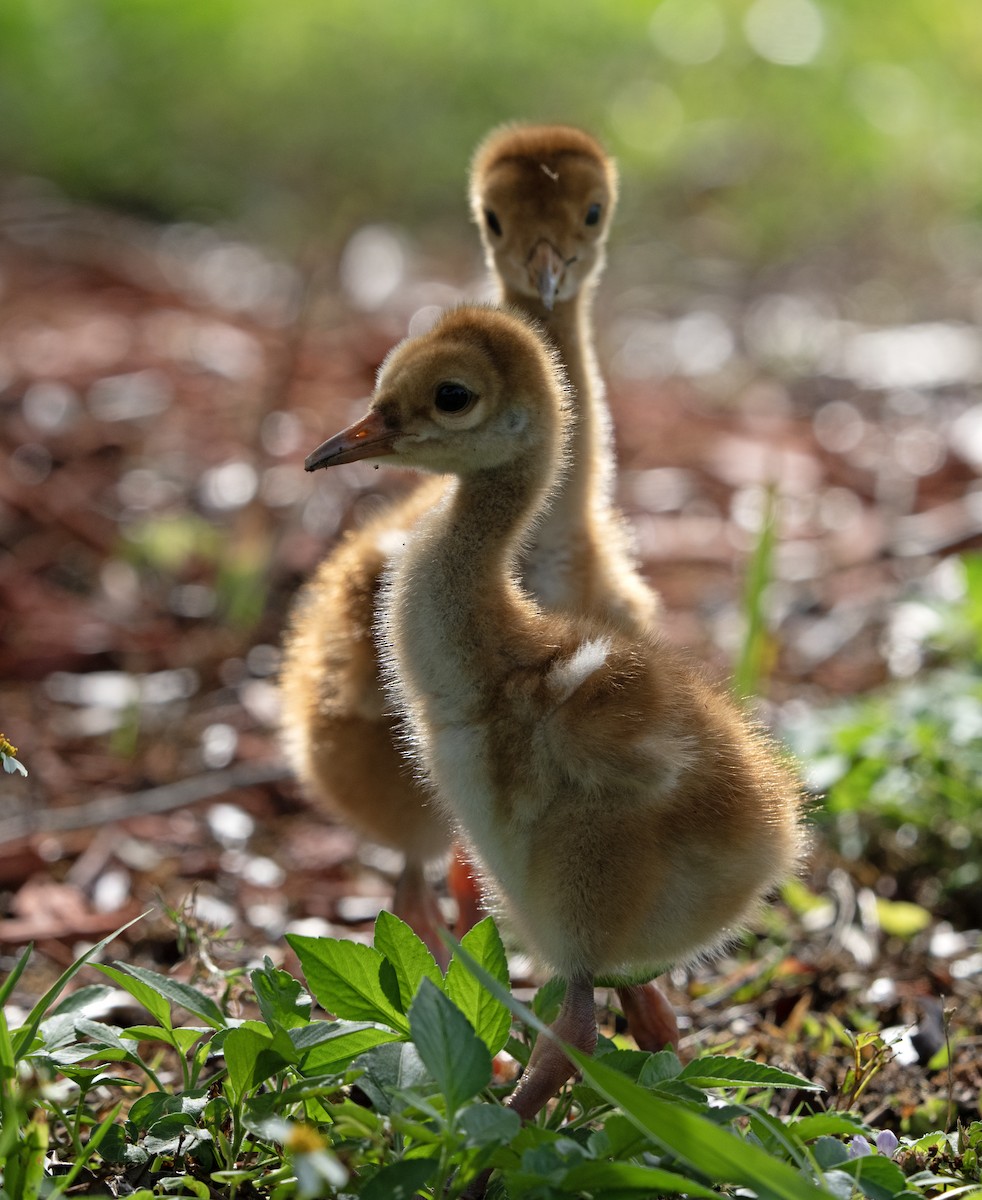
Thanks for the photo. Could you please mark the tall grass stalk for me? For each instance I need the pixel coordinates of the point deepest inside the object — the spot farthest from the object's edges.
(754, 660)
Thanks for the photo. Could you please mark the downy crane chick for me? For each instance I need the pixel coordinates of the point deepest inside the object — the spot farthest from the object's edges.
(628, 814)
(543, 197)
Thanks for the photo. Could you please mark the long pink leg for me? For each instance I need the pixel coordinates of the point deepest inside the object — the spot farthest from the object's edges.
(415, 903)
(549, 1068)
(650, 1018)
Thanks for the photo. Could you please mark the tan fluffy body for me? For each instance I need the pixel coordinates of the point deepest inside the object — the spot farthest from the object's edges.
(628, 813)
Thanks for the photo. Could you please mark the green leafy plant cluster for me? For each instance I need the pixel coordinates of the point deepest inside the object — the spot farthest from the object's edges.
(396, 1096)
(900, 768)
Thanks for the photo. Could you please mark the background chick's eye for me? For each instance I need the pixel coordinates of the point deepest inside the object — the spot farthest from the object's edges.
(493, 223)
(453, 397)
(593, 214)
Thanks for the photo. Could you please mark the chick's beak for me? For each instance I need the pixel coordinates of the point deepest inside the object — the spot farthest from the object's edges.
(368, 438)
(546, 268)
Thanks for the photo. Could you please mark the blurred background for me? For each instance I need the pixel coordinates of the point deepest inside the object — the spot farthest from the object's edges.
(216, 216)
(759, 130)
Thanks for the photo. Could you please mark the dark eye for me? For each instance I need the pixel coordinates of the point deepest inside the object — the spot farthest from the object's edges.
(593, 214)
(493, 223)
(453, 397)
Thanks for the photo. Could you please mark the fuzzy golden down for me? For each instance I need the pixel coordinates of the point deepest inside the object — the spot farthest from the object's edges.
(627, 813)
(543, 197)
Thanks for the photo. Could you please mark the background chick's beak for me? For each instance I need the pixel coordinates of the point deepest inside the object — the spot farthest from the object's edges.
(546, 268)
(368, 438)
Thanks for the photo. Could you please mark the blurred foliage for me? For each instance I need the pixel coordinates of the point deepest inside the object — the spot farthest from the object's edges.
(743, 127)
(901, 767)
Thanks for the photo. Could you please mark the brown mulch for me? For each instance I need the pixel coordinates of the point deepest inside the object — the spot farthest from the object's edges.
(149, 398)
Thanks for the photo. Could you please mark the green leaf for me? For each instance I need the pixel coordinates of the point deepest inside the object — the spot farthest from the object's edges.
(592, 1176)
(8, 985)
(77, 1001)
(487, 1125)
(808, 1128)
(175, 1184)
(149, 997)
(696, 1141)
(489, 1017)
(184, 1037)
(282, 999)
(179, 993)
(389, 1073)
(728, 1070)
(410, 959)
(900, 918)
(91, 1146)
(149, 1108)
(399, 1180)
(253, 1055)
(345, 977)
(549, 998)
(452, 1052)
(25, 1035)
(662, 1067)
(332, 1055)
(879, 1177)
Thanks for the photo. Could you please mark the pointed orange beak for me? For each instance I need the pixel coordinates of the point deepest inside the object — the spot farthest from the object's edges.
(368, 438)
(546, 270)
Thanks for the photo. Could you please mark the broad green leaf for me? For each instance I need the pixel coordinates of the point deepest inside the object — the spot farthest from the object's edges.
(900, 918)
(345, 978)
(629, 1062)
(696, 1141)
(389, 1073)
(252, 1057)
(594, 1176)
(149, 1109)
(85, 996)
(331, 1056)
(183, 1037)
(410, 959)
(452, 1052)
(143, 993)
(879, 1177)
(489, 1017)
(306, 1037)
(662, 1067)
(399, 1180)
(171, 1125)
(175, 1185)
(281, 998)
(487, 1125)
(729, 1070)
(106, 1036)
(547, 1000)
(179, 993)
(823, 1124)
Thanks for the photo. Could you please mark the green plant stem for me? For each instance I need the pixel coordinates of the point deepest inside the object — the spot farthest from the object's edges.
(747, 677)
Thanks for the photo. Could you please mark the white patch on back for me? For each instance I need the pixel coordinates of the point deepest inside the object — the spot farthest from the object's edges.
(566, 676)
(391, 542)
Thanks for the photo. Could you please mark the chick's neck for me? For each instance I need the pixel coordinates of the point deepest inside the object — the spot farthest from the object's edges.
(464, 561)
(585, 484)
